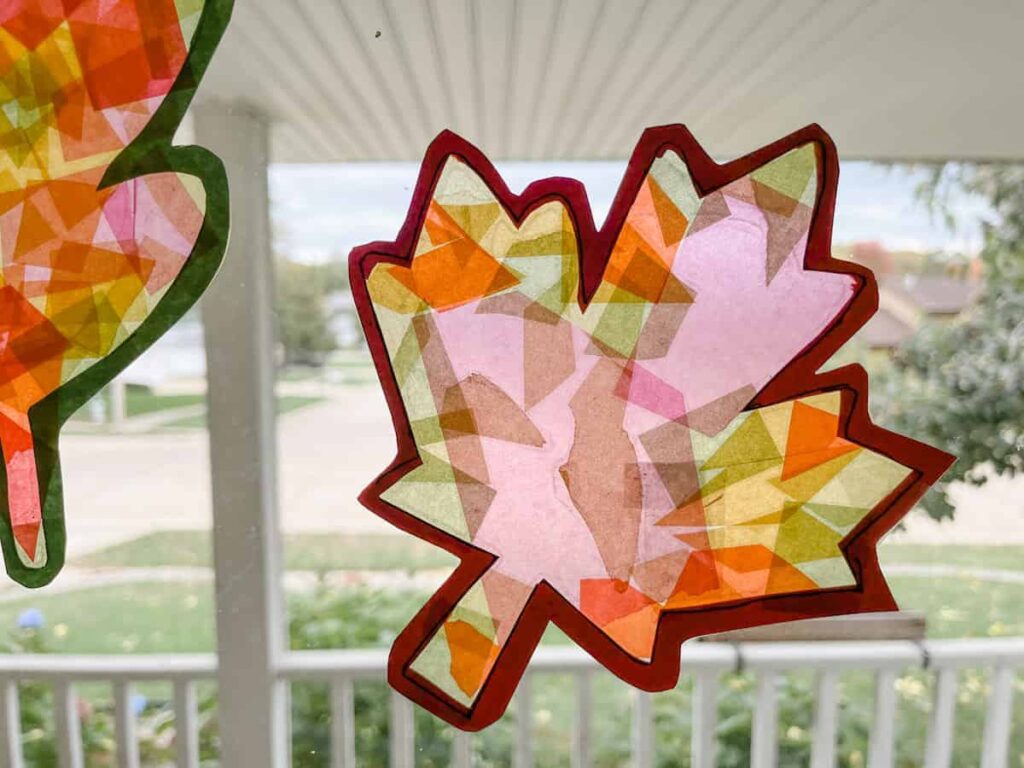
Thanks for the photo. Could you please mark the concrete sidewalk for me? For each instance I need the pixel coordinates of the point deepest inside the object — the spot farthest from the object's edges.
(120, 486)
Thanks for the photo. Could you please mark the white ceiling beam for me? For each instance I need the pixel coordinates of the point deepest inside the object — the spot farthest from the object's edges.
(580, 79)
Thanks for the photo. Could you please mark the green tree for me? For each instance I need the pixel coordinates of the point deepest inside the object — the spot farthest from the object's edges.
(960, 386)
(303, 318)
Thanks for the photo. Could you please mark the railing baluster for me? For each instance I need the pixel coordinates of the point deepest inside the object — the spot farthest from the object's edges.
(68, 731)
(403, 732)
(764, 745)
(826, 717)
(705, 719)
(883, 727)
(462, 750)
(10, 725)
(580, 757)
(998, 719)
(343, 724)
(124, 726)
(524, 724)
(186, 728)
(643, 731)
(767, 662)
(939, 751)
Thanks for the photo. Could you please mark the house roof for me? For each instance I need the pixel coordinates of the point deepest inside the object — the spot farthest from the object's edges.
(884, 331)
(934, 294)
(578, 79)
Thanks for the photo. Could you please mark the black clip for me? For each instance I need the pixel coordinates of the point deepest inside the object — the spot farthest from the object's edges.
(926, 656)
(741, 662)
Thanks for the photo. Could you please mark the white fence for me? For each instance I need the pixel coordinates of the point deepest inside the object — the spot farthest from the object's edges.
(705, 662)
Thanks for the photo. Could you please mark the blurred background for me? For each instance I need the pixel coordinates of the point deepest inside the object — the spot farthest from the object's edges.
(922, 101)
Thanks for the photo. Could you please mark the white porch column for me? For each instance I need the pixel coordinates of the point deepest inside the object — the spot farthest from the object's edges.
(239, 333)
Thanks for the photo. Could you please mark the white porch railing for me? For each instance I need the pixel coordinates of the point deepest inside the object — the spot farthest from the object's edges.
(705, 662)
(183, 671)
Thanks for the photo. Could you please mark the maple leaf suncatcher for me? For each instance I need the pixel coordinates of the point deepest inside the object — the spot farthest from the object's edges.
(108, 233)
(623, 430)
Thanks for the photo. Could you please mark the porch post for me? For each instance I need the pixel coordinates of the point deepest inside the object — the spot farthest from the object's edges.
(239, 339)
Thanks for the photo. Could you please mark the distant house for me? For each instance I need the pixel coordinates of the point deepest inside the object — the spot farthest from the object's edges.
(884, 331)
(176, 355)
(907, 300)
(936, 296)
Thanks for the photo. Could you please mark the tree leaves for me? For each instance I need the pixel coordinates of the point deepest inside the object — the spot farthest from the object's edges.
(960, 385)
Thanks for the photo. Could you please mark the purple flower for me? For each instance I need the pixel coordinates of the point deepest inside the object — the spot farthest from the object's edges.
(31, 618)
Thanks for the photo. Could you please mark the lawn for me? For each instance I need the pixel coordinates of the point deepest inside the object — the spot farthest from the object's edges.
(1008, 557)
(327, 552)
(963, 606)
(143, 402)
(140, 401)
(285, 404)
(164, 617)
(955, 606)
(155, 617)
(146, 617)
(307, 552)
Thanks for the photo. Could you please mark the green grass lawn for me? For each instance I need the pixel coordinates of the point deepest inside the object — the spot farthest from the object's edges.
(139, 402)
(146, 617)
(285, 404)
(328, 552)
(142, 402)
(963, 607)
(1008, 557)
(162, 617)
(353, 368)
(305, 552)
(159, 617)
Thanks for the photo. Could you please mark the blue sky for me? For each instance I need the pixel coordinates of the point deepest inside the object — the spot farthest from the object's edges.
(323, 211)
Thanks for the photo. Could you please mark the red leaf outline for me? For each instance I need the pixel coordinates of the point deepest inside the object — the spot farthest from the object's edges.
(798, 379)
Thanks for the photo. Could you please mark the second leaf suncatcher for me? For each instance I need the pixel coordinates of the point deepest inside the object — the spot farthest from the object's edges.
(623, 430)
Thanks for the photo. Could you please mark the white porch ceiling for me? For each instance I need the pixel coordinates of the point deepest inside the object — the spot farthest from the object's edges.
(580, 79)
